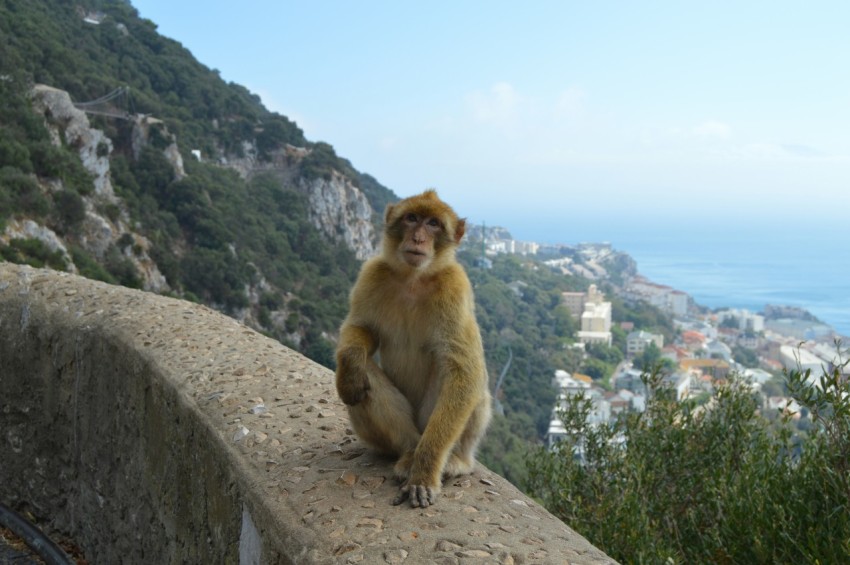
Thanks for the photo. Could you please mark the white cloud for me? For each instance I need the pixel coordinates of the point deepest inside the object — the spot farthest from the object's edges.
(713, 128)
(495, 106)
(570, 103)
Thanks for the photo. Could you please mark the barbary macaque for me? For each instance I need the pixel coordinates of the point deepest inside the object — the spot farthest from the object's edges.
(410, 362)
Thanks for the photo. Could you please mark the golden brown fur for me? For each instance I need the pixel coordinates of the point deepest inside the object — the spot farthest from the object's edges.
(410, 364)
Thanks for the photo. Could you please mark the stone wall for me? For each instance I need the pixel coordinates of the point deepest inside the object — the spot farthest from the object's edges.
(153, 430)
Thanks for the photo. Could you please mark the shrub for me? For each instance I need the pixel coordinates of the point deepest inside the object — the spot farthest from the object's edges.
(88, 267)
(681, 483)
(23, 193)
(33, 252)
(70, 208)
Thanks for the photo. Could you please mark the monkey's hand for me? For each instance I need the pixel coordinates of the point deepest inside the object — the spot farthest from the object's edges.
(421, 496)
(352, 384)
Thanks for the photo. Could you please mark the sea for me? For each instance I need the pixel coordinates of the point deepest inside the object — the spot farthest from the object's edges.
(804, 264)
(804, 267)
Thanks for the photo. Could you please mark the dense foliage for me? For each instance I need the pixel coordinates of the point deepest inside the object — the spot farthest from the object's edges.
(47, 42)
(519, 312)
(714, 484)
(217, 238)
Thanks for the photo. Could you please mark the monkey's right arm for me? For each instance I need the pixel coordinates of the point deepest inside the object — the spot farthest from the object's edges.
(358, 339)
(356, 345)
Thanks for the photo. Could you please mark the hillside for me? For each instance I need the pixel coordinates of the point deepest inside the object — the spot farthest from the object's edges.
(190, 187)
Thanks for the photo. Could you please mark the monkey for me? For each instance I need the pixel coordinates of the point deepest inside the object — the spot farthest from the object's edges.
(410, 359)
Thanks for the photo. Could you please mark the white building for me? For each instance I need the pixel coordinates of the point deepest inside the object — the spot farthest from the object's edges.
(565, 383)
(600, 414)
(637, 342)
(681, 383)
(746, 320)
(596, 318)
(716, 349)
(793, 358)
(674, 302)
(757, 376)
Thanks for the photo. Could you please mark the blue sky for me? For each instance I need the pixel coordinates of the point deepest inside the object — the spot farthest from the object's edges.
(559, 120)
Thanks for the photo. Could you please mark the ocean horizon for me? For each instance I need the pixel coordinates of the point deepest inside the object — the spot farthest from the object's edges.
(752, 270)
(747, 266)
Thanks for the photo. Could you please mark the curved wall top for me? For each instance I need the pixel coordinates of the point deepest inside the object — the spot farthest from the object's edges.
(156, 430)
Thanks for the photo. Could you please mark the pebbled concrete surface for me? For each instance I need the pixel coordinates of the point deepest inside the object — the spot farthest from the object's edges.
(152, 429)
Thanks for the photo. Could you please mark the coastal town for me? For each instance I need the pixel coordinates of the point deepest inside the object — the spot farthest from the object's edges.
(708, 345)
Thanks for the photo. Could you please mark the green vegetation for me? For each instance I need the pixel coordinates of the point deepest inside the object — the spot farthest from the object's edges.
(214, 235)
(32, 252)
(49, 43)
(522, 320)
(682, 483)
(520, 314)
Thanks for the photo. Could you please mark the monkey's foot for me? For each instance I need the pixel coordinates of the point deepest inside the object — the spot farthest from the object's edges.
(401, 470)
(420, 496)
(457, 466)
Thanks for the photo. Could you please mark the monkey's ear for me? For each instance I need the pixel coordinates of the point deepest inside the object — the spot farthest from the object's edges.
(387, 213)
(460, 229)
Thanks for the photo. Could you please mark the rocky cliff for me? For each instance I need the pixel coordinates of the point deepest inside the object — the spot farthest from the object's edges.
(337, 208)
(99, 231)
(341, 211)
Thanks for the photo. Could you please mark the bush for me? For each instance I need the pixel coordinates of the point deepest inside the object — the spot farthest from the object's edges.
(33, 252)
(22, 194)
(70, 208)
(122, 269)
(716, 484)
(88, 267)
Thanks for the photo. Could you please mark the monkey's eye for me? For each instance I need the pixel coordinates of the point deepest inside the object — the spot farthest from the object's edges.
(411, 217)
(434, 223)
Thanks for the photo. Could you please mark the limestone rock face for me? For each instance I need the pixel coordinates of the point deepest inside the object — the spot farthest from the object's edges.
(70, 125)
(92, 144)
(341, 212)
(28, 229)
(142, 133)
(337, 208)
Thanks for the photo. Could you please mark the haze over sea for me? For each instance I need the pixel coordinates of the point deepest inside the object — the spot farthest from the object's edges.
(739, 266)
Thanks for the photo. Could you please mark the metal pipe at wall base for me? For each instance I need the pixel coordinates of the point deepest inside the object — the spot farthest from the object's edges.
(42, 545)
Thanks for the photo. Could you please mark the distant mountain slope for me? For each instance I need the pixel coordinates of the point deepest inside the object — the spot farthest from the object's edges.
(201, 192)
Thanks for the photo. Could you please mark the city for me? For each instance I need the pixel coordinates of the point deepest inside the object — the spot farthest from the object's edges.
(709, 346)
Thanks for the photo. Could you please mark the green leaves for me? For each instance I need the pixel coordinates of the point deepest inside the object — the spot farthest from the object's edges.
(716, 483)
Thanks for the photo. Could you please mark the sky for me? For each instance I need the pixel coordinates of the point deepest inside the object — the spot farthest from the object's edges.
(563, 121)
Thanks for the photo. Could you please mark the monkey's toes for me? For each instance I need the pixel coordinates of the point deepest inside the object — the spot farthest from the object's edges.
(420, 496)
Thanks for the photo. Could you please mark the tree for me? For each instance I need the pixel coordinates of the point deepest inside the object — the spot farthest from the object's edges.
(744, 356)
(648, 358)
(565, 324)
(718, 483)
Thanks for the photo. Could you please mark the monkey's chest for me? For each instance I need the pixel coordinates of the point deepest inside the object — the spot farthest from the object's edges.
(410, 363)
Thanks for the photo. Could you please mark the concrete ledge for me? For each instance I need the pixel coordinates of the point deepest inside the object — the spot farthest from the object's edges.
(159, 431)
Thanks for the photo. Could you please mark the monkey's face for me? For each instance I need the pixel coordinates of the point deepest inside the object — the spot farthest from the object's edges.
(420, 234)
(421, 231)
